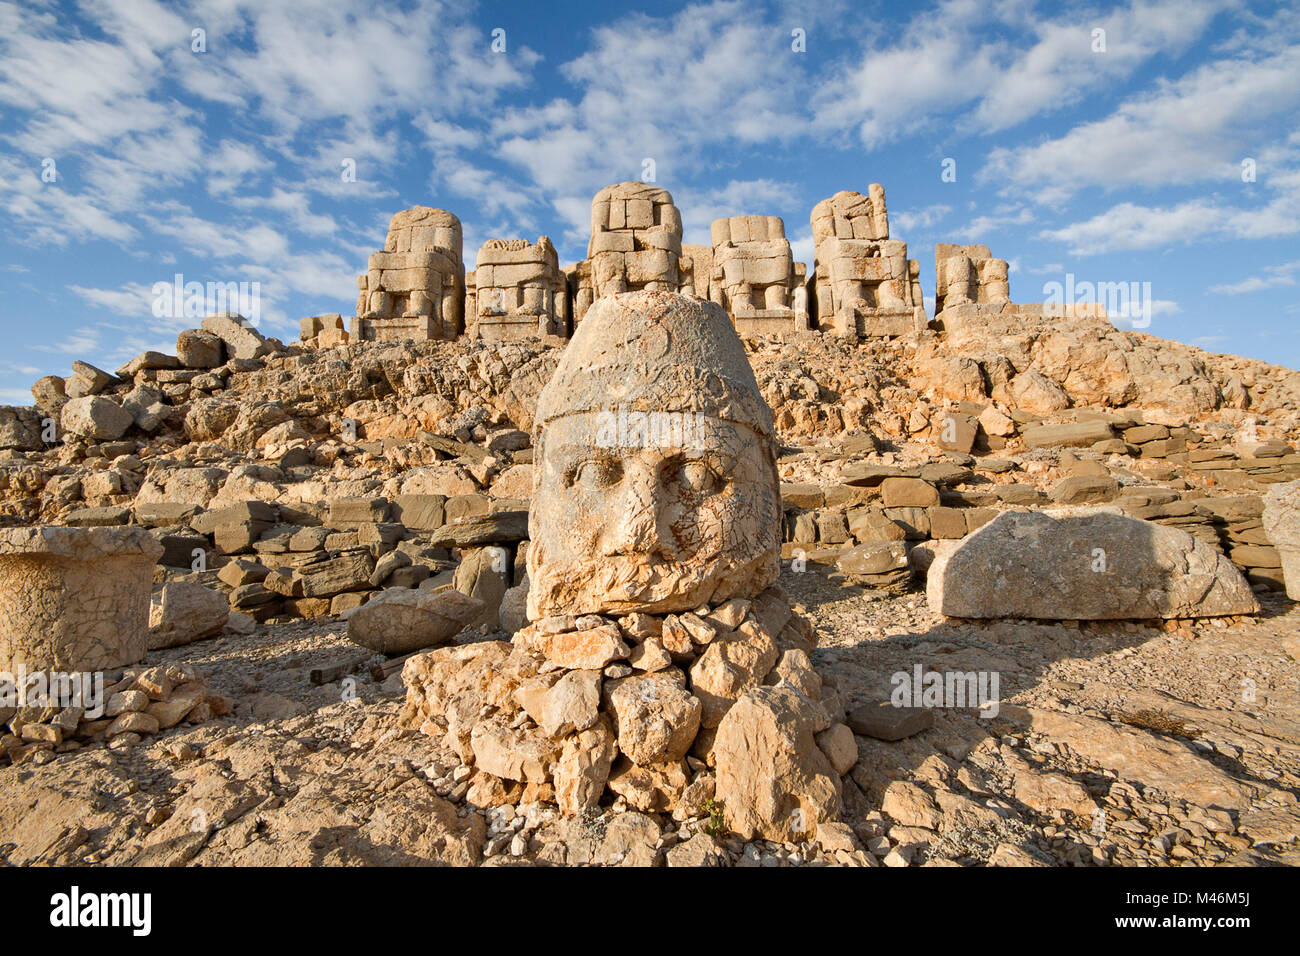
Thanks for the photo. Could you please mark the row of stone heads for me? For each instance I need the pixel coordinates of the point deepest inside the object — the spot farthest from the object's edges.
(861, 283)
(635, 207)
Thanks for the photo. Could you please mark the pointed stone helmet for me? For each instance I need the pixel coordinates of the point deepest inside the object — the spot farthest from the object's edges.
(656, 352)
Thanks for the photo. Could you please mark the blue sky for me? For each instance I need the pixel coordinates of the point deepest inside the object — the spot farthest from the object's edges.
(226, 165)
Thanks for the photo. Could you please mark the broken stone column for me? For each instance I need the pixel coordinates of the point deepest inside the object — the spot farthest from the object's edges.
(656, 630)
(75, 599)
(863, 282)
(754, 275)
(519, 291)
(415, 288)
(1282, 525)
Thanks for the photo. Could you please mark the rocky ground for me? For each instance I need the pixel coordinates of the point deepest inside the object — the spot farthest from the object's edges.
(310, 481)
(1167, 745)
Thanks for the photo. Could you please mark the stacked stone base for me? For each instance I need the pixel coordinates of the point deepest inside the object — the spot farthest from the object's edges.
(718, 710)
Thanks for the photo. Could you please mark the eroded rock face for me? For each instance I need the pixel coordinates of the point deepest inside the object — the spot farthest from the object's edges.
(74, 599)
(1091, 565)
(656, 486)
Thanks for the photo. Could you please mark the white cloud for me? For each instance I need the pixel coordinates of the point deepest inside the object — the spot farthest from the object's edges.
(1283, 274)
(990, 66)
(674, 90)
(1130, 225)
(1192, 130)
(132, 299)
(906, 221)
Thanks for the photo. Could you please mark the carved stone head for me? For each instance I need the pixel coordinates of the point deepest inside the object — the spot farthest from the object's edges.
(655, 487)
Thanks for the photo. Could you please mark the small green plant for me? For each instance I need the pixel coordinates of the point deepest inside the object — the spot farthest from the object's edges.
(715, 826)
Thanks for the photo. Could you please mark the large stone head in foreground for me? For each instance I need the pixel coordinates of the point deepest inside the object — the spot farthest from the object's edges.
(656, 486)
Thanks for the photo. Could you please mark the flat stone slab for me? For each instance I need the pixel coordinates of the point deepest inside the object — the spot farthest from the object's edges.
(498, 528)
(1089, 564)
(884, 721)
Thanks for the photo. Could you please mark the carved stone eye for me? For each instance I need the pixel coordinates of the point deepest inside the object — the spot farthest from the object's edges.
(598, 473)
(699, 477)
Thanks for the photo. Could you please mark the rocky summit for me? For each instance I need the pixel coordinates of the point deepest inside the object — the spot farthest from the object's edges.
(679, 555)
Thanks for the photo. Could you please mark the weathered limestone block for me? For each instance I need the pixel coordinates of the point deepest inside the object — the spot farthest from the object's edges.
(21, 428)
(74, 599)
(773, 781)
(49, 394)
(1282, 525)
(323, 331)
(863, 282)
(198, 349)
(968, 274)
(655, 717)
(101, 419)
(581, 293)
(183, 612)
(754, 275)
(483, 573)
(333, 573)
(1090, 564)
(636, 240)
(401, 620)
(519, 291)
(631, 510)
(415, 288)
(241, 339)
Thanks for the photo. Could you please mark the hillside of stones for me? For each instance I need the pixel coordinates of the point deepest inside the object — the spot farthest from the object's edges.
(381, 419)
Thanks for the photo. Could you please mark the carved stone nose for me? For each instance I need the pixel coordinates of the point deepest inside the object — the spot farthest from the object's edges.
(634, 523)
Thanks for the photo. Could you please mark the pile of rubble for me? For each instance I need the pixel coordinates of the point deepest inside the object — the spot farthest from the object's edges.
(139, 702)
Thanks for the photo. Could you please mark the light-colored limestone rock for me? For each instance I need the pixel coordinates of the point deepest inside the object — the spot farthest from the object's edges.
(74, 599)
(95, 417)
(400, 620)
(482, 574)
(183, 612)
(863, 282)
(241, 339)
(1282, 525)
(518, 292)
(572, 704)
(582, 769)
(636, 240)
(415, 288)
(1090, 564)
(968, 274)
(655, 717)
(754, 275)
(773, 780)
